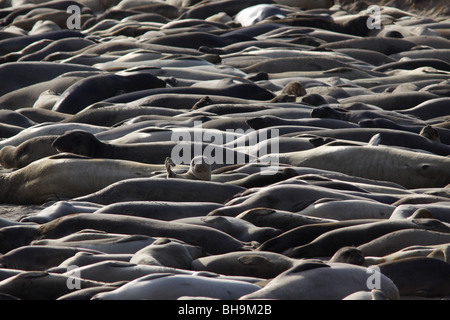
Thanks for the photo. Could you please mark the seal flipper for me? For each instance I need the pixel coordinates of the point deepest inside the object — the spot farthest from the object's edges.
(375, 140)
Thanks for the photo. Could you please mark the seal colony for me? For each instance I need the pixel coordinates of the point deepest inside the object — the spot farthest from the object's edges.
(285, 149)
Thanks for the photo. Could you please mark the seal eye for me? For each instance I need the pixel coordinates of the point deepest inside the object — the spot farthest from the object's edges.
(425, 167)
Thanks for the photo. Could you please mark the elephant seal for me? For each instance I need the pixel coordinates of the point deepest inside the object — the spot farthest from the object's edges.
(419, 276)
(48, 129)
(27, 152)
(304, 234)
(102, 242)
(88, 293)
(22, 74)
(160, 210)
(348, 210)
(212, 240)
(38, 258)
(254, 14)
(428, 109)
(85, 258)
(150, 145)
(306, 4)
(439, 210)
(406, 168)
(199, 169)
(154, 287)
(314, 280)
(168, 253)
(159, 189)
(101, 87)
(238, 90)
(237, 228)
(41, 285)
(60, 209)
(349, 255)
(327, 244)
(278, 219)
(262, 264)
(58, 178)
(282, 197)
(112, 271)
(400, 239)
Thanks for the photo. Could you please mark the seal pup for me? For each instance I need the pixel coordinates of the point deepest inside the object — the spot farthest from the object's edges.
(199, 169)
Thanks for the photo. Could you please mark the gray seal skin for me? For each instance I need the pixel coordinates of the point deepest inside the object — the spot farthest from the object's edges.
(419, 276)
(103, 86)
